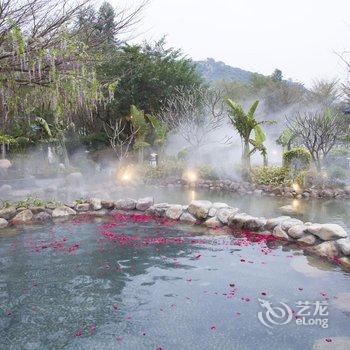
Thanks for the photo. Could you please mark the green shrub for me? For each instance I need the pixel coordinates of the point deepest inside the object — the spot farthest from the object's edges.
(297, 159)
(165, 169)
(269, 175)
(207, 172)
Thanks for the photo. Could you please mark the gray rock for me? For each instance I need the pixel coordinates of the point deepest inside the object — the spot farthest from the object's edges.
(288, 210)
(144, 203)
(308, 239)
(327, 249)
(36, 209)
(96, 203)
(8, 213)
(3, 223)
(297, 231)
(199, 209)
(344, 245)
(272, 223)
(347, 189)
(82, 207)
(280, 233)
(107, 204)
(327, 231)
(287, 224)
(258, 192)
(158, 209)
(24, 216)
(213, 223)
(345, 262)
(224, 213)
(174, 212)
(125, 204)
(63, 211)
(254, 223)
(42, 217)
(238, 220)
(188, 218)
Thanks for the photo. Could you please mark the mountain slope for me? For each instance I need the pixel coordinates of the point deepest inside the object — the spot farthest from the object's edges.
(212, 71)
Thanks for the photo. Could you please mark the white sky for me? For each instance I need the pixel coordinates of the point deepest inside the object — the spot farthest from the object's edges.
(300, 37)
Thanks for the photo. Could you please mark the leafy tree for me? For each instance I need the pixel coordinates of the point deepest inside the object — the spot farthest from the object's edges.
(277, 75)
(146, 75)
(245, 124)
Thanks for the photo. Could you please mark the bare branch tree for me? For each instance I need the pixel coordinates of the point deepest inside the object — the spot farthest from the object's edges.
(194, 114)
(319, 132)
(119, 137)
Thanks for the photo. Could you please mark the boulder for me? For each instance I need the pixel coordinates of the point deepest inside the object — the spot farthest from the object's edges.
(8, 213)
(344, 245)
(174, 212)
(36, 209)
(327, 232)
(287, 224)
(5, 164)
(215, 207)
(24, 216)
(107, 204)
(42, 217)
(158, 209)
(82, 207)
(347, 189)
(238, 220)
(224, 213)
(345, 262)
(288, 210)
(3, 223)
(188, 218)
(213, 223)
(297, 231)
(96, 203)
(307, 239)
(63, 211)
(199, 209)
(327, 249)
(74, 179)
(280, 233)
(254, 223)
(272, 223)
(125, 204)
(144, 203)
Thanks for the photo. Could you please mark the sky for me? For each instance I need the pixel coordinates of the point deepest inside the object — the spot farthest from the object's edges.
(300, 37)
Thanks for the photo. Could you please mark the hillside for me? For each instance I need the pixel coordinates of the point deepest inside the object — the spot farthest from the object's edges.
(212, 71)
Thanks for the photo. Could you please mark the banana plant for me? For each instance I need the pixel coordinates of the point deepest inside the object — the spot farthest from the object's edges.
(245, 124)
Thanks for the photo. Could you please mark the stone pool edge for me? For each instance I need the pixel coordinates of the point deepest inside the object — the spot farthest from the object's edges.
(326, 240)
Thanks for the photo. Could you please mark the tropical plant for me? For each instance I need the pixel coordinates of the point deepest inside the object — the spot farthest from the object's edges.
(245, 124)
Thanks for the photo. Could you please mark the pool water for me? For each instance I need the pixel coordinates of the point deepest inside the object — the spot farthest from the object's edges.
(133, 282)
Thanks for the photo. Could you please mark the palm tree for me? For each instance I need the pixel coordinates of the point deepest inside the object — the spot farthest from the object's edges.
(245, 124)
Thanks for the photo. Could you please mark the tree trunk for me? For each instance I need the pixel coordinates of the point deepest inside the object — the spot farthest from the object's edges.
(3, 150)
(246, 166)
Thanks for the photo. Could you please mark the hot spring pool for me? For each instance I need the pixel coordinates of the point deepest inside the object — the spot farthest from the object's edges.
(130, 282)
